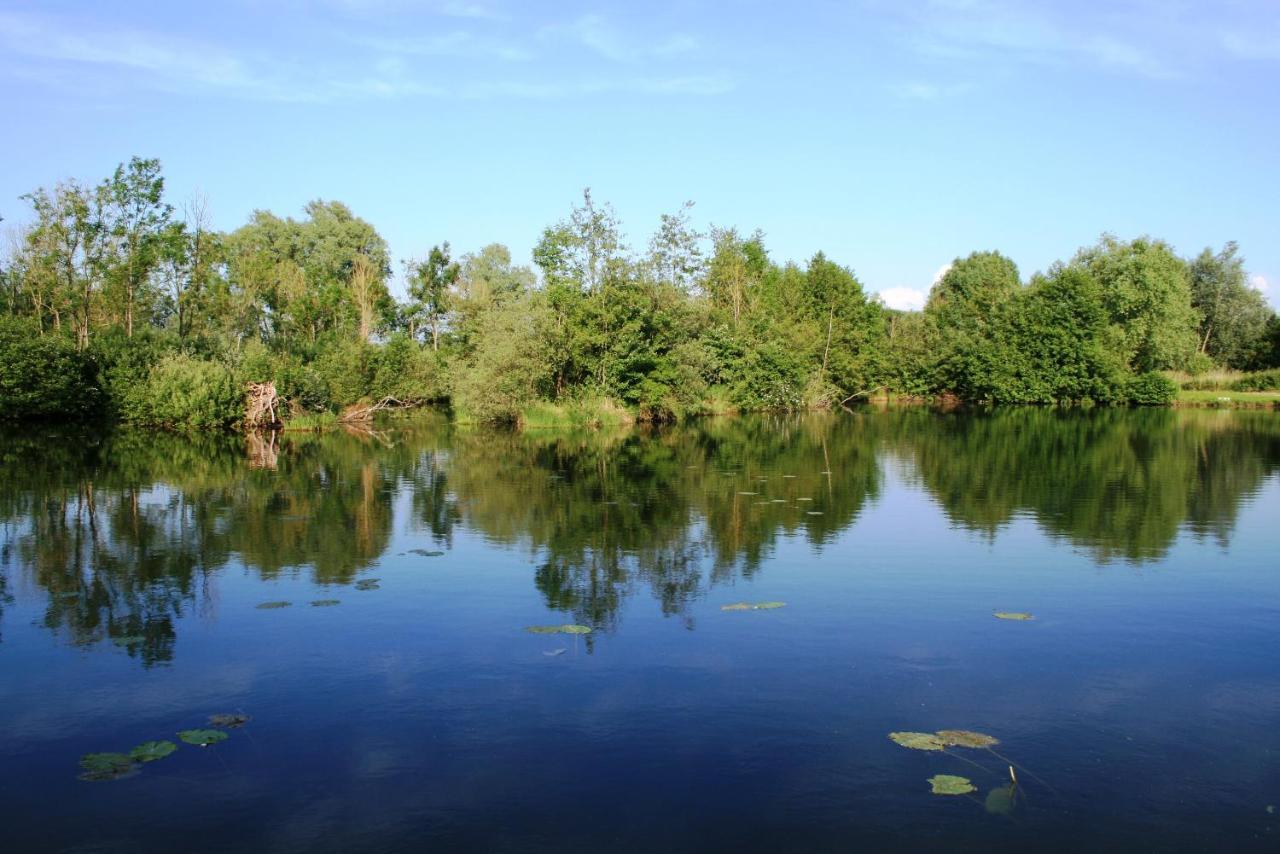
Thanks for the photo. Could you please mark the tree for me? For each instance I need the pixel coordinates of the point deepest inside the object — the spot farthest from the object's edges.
(969, 311)
(135, 221)
(430, 283)
(675, 252)
(1147, 292)
(1233, 316)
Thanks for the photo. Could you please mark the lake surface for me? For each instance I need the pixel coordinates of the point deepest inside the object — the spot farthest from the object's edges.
(1142, 703)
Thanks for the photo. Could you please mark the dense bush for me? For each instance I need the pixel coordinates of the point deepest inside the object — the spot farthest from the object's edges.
(43, 376)
(1260, 381)
(183, 392)
(1151, 389)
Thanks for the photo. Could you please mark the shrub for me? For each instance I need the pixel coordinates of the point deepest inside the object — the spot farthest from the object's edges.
(1260, 381)
(183, 392)
(43, 376)
(1151, 389)
(403, 369)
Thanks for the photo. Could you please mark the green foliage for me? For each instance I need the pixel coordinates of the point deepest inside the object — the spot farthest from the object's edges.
(1233, 315)
(185, 393)
(43, 376)
(1151, 389)
(1260, 381)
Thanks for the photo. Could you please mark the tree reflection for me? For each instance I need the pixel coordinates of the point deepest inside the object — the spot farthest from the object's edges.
(125, 534)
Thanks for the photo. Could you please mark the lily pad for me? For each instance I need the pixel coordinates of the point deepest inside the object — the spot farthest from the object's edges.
(567, 629)
(128, 640)
(150, 751)
(202, 737)
(267, 606)
(1013, 615)
(813, 512)
(949, 784)
(425, 553)
(229, 720)
(917, 740)
(1001, 801)
(100, 767)
(769, 606)
(367, 584)
(748, 493)
(736, 606)
(966, 738)
(575, 630)
(326, 603)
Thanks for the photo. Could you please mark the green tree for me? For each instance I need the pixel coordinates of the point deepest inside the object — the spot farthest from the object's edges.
(1147, 291)
(430, 285)
(1233, 316)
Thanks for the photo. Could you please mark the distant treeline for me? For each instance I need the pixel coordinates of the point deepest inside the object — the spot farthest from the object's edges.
(114, 302)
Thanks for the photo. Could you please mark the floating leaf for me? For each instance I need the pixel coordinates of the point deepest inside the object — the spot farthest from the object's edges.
(229, 720)
(100, 767)
(552, 653)
(917, 740)
(425, 553)
(567, 629)
(966, 738)
(202, 737)
(748, 493)
(1012, 615)
(1001, 801)
(804, 499)
(128, 640)
(266, 606)
(769, 606)
(150, 751)
(367, 584)
(326, 603)
(736, 606)
(813, 512)
(949, 784)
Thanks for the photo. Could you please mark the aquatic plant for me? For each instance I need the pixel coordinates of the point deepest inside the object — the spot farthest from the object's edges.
(566, 629)
(326, 603)
(100, 767)
(150, 751)
(1001, 801)
(966, 738)
(426, 553)
(748, 606)
(267, 606)
(949, 784)
(229, 720)
(202, 737)
(917, 740)
(1020, 616)
(367, 584)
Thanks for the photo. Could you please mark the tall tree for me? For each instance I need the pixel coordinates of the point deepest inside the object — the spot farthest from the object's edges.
(430, 283)
(1147, 291)
(136, 218)
(1233, 316)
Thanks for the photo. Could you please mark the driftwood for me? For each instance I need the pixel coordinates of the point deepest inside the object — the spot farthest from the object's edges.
(358, 414)
(260, 410)
(861, 393)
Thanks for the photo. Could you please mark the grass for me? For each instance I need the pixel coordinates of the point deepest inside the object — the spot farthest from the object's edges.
(310, 422)
(592, 412)
(1229, 399)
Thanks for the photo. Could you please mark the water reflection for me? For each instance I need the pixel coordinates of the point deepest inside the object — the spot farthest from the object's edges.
(125, 534)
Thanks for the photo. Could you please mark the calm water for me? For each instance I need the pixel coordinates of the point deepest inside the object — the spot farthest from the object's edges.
(420, 715)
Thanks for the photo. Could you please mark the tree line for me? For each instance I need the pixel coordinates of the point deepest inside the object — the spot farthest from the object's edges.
(115, 301)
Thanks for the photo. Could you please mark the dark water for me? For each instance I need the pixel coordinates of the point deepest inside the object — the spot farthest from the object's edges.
(1143, 701)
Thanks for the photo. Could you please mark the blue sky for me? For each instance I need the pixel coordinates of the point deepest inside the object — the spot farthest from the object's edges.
(894, 136)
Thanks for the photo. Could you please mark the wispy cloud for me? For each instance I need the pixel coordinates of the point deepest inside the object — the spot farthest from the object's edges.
(903, 298)
(1252, 45)
(37, 47)
(454, 44)
(921, 91)
(995, 31)
(602, 37)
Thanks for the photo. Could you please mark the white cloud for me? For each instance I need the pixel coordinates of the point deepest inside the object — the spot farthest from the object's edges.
(903, 298)
(1252, 46)
(1259, 283)
(942, 271)
(929, 91)
(456, 44)
(600, 36)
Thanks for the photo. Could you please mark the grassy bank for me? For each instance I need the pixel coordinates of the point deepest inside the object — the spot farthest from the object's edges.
(1228, 399)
